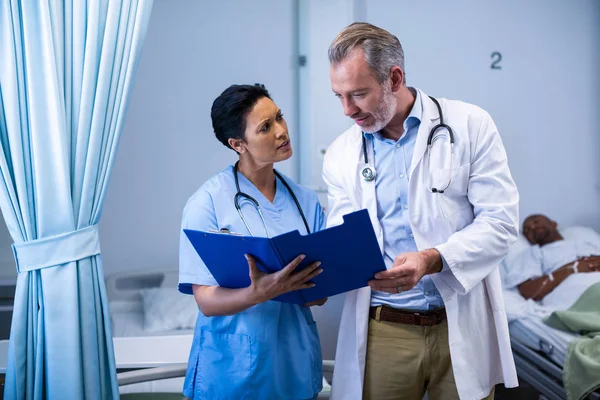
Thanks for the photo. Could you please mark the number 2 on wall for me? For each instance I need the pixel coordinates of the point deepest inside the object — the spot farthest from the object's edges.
(496, 58)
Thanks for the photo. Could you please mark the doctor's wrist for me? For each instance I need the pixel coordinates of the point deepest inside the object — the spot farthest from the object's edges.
(433, 261)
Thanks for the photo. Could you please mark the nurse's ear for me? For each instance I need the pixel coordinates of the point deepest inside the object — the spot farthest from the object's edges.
(237, 145)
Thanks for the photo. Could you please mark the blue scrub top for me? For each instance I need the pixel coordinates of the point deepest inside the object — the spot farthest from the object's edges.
(271, 350)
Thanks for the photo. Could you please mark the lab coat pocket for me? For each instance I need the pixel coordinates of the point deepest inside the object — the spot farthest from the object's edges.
(224, 356)
(455, 184)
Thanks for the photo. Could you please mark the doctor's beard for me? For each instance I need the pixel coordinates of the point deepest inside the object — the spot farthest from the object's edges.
(384, 112)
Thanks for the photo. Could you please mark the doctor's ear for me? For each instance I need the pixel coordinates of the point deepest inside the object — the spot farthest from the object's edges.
(397, 76)
(237, 145)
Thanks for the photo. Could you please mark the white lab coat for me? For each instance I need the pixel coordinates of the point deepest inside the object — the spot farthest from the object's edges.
(472, 224)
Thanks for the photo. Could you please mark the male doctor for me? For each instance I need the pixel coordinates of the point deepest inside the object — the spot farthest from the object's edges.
(444, 208)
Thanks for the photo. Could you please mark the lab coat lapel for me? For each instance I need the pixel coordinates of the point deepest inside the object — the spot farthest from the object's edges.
(429, 119)
(366, 190)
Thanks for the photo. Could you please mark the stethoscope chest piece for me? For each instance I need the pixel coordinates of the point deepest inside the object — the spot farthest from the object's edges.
(369, 174)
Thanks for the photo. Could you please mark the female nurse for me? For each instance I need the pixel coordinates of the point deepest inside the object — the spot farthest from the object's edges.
(245, 345)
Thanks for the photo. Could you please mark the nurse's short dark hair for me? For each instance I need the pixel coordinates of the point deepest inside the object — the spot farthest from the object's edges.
(230, 109)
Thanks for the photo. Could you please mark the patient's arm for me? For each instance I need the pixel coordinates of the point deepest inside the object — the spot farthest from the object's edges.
(538, 288)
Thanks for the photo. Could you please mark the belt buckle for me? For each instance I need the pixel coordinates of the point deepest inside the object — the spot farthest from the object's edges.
(417, 318)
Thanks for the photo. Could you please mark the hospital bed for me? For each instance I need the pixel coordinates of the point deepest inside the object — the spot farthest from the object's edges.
(142, 354)
(539, 350)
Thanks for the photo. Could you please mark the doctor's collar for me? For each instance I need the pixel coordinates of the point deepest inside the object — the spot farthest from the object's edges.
(369, 135)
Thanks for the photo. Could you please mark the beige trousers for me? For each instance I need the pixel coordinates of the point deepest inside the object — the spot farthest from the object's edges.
(405, 361)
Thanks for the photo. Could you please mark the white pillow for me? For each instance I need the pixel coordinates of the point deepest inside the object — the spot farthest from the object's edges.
(167, 309)
(581, 233)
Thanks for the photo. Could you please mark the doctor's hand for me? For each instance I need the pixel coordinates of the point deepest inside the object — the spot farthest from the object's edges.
(407, 271)
(265, 286)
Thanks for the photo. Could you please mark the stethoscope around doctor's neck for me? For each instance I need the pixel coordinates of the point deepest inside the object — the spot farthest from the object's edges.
(241, 195)
(369, 174)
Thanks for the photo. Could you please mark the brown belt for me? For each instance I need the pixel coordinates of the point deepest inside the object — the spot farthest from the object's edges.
(422, 318)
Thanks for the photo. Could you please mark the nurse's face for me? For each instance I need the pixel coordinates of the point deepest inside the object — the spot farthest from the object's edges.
(266, 138)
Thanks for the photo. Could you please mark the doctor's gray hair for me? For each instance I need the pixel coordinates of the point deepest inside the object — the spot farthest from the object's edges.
(382, 49)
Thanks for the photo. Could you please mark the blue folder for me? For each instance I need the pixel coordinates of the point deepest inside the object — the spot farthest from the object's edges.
(349, 255)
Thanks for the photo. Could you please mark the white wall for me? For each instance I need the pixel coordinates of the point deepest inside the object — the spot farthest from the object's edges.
(193, 51)
(545, 99)
(321, 117)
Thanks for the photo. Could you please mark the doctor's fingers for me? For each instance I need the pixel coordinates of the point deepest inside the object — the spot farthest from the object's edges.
(392, 285)
(394, 273)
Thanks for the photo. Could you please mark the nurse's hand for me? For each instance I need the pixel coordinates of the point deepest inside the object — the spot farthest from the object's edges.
(316, 302)
(407, 271)
(265, 286)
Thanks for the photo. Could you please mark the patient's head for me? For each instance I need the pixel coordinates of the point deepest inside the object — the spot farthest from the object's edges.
(541, 230)
(246, 120)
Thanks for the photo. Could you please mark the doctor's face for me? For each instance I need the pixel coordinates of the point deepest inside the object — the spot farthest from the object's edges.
(266, 139)
(370, 104)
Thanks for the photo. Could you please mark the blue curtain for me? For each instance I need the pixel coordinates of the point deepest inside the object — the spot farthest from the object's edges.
(66, 69)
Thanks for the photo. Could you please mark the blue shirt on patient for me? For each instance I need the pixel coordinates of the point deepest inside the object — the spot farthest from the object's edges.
(392, 163)
(271, 350)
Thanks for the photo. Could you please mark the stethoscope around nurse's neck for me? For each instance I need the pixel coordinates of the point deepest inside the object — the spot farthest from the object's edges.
(369, 173)
(241, 195)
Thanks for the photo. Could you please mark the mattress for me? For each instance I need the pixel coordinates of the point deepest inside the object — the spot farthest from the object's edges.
(131, 323)
(533, 333)
(526, 326)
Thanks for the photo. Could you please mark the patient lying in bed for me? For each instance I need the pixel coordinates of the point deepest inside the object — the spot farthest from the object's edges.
(554, 270)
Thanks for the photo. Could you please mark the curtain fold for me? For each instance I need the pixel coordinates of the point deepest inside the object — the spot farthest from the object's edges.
(65, 76)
